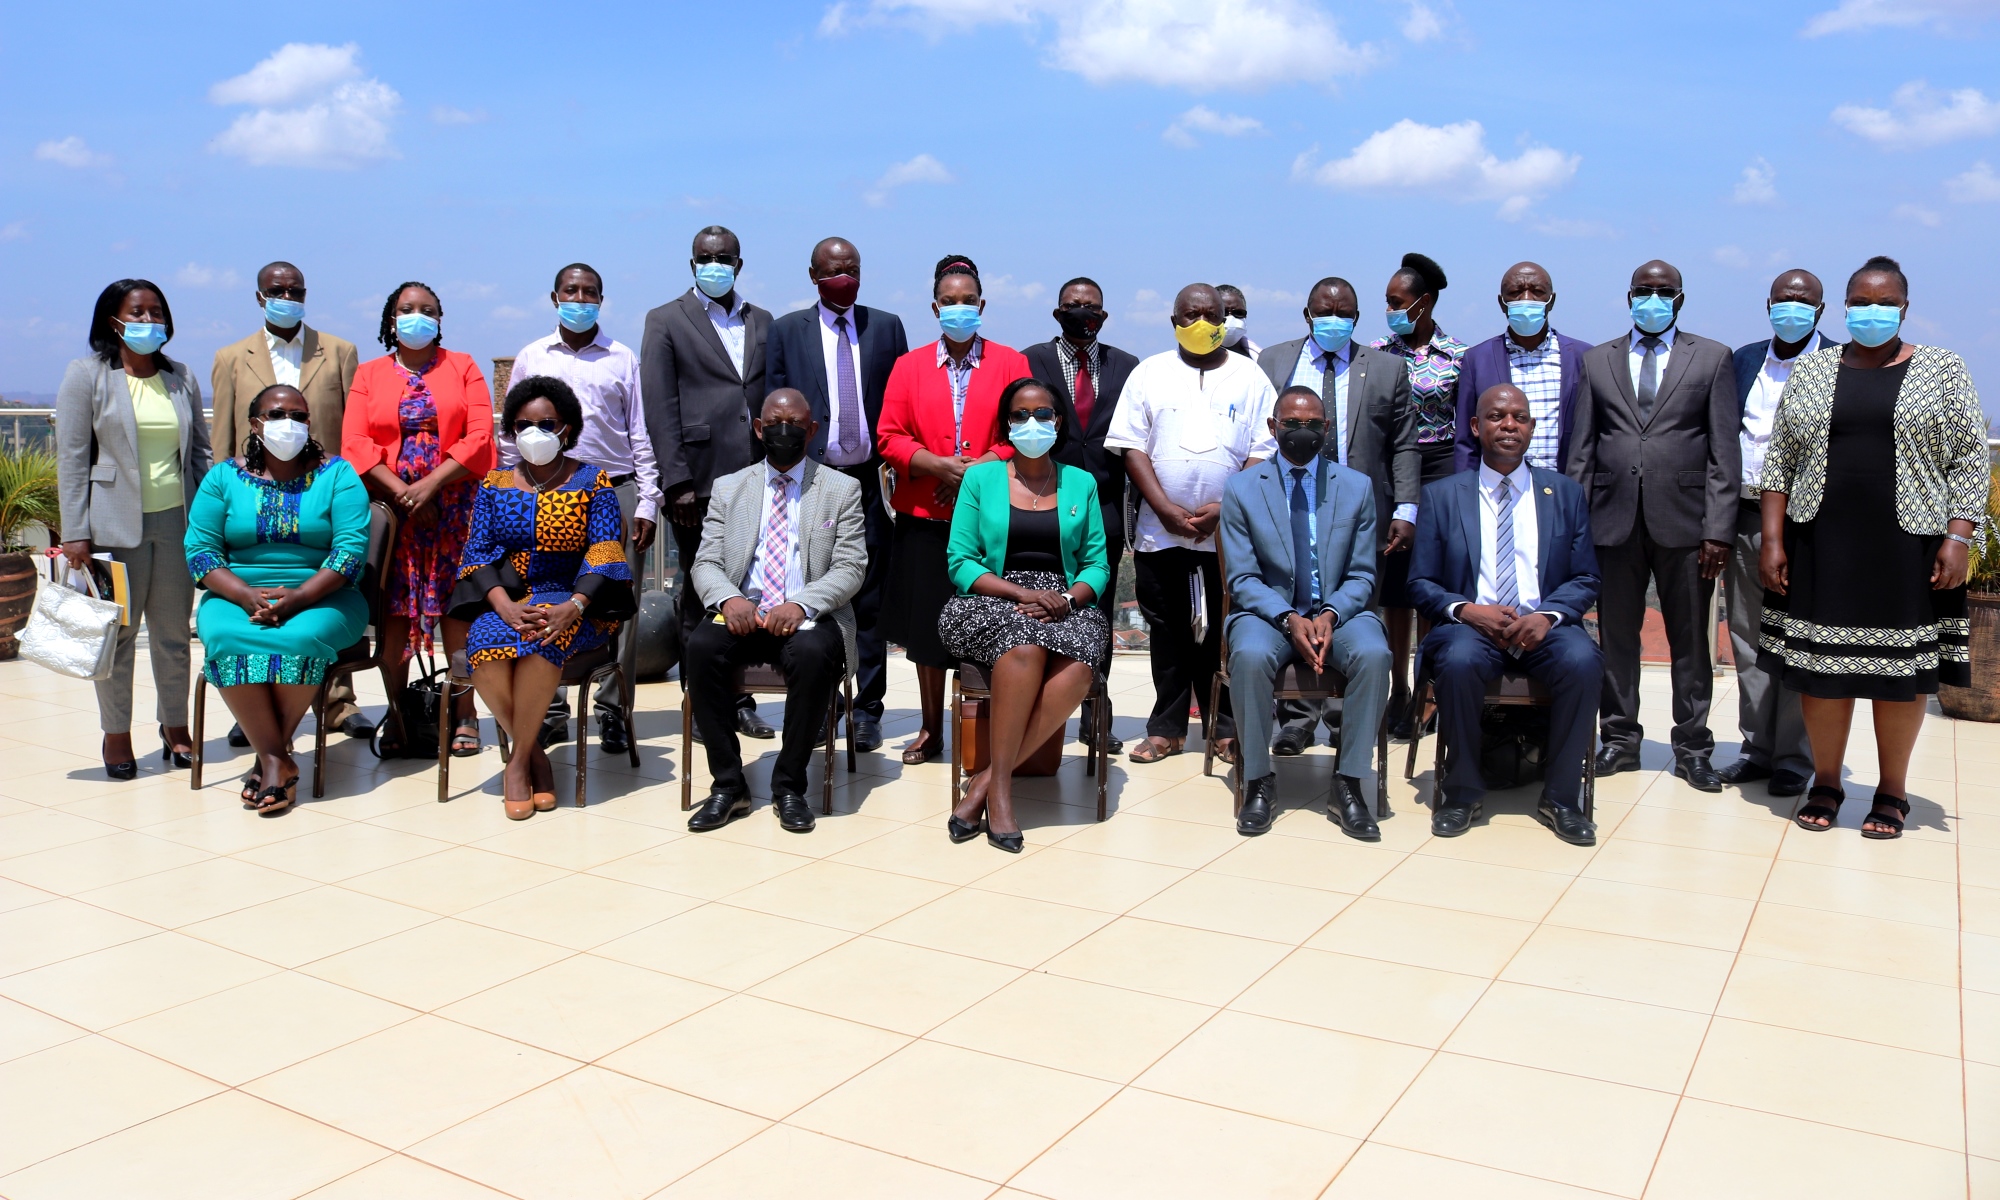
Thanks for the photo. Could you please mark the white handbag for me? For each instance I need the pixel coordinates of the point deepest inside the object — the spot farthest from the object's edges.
(72, 632)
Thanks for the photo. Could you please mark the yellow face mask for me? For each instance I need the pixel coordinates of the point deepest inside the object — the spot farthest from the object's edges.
(1202, 337)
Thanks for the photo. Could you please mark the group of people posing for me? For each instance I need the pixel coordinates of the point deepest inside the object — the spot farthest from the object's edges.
(1319, 504)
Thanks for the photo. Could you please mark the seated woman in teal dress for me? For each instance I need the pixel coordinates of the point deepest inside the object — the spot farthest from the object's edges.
(276, 540)
(543, 578)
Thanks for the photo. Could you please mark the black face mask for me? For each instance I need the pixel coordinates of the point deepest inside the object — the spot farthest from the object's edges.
(1080, 324)
(1301, 446)
(784, 444)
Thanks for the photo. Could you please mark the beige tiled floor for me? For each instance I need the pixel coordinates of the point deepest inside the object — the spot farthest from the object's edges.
(382, 996)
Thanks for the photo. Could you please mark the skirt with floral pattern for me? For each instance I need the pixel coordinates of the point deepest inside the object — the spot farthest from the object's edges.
(982, 628)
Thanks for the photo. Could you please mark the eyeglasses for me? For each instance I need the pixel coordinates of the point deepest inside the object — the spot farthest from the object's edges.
(1666, 292)
(1316, 424)
(285, 293)
(1021, 416)
(548, 425)
(279, 414)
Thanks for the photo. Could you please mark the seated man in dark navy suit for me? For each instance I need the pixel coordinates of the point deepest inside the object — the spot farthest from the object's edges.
(1504, 570)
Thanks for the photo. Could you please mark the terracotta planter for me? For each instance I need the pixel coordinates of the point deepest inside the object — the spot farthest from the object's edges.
(1981, 701)
(17, 599)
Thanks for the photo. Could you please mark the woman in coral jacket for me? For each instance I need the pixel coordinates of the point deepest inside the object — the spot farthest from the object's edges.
(939, 416)
(419, 430)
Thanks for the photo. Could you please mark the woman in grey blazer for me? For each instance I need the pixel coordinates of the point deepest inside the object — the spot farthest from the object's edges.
(131, 448)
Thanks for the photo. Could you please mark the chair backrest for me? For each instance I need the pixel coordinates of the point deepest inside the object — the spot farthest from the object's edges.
(383, 527)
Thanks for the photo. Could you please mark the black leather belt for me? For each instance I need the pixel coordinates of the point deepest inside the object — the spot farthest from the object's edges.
(622, 480)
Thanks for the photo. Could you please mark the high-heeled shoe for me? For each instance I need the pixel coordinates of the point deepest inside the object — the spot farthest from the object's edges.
(962, 831)
(172, 757)
(1012, 843)
(121, 771)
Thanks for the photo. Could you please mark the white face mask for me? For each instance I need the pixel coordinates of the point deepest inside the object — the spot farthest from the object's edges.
(1232, 330)
(537, 445)
(284, 439)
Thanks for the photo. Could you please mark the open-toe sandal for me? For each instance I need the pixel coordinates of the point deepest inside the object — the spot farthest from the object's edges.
(1148, 750)
(1225, 751)
(1881, 814)
(929, 749)
(252, 784)
(465, 739)
(1815, 809)
(277, 800)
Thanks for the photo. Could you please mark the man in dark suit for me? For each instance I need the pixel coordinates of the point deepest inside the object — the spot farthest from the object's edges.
(839, 354)
(701, 376)
(1547, 366)
(1371, 428)
(1087, 377)
(1775, 746)
(1504, 570)
(1655, 445)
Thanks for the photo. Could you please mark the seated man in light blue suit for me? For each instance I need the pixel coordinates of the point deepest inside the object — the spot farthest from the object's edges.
(1302, 508)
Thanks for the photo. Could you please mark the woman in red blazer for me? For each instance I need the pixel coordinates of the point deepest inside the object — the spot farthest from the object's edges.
(418, 428)
(939, 416)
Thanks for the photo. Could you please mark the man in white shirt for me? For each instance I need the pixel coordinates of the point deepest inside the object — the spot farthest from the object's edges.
(1775, 746)
(1512, 604)
(1187, 421)
(604, 374)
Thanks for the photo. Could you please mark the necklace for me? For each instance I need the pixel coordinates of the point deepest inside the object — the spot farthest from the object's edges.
(537, 484)
(1037, 495)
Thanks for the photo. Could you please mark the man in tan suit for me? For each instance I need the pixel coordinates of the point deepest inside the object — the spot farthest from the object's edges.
(287, 350)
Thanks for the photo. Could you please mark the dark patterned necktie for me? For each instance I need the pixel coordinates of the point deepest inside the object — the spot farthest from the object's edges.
(850, 392)
(1649, 377)
(1302, 555)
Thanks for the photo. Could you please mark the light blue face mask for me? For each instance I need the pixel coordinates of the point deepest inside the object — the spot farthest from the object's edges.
(959, 321)
(1401, 323)
(416, 330)
(1652, 314)
(1032, 437)
(285, 314)
(1793, 321)
(1332, 333)
(144, 337)
(1869, 324)
(1527, 317)
(715, 279)
(577, 318)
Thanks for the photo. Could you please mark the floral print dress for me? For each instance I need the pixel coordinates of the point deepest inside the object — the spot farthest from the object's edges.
(431, 543)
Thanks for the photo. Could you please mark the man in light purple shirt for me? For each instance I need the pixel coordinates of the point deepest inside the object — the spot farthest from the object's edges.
(604, 374)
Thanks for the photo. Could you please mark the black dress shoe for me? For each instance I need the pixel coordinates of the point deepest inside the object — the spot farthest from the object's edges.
(1743, 771)
(867, 732)
(237, 738)
(1012, 843)
(750, 724)
(718, 810)
(1785, 783)
(794, 814)
(123, 772)
(1612, 760)
(1255, 815)
(611, 735)
(1401, 728)
(1695, 769)
(1450, 819)
(358, 726)
(172, 757)
(1568, 823)
(1290, 743)
(1348, 810)
(554, 732)
(962, 831)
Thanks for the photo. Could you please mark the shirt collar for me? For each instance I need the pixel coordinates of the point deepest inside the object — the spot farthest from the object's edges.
(1344, 354)
(796, 474)
(1549, 343)
(713, 305)
(1666, 337)
(827, 316)
(1489, 479)
(600, 340)
(1771, 358)
(1072, 354)
(971, 353)
(278, 345)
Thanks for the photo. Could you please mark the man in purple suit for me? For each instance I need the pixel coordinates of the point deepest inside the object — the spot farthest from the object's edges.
(1532, 356)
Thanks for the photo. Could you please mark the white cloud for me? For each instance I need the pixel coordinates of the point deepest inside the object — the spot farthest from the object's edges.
(1003, 287)
(921, 169)
(508, 312)
(1919, 116)
(1570, 227)
(1449, 159)
(337, 119)
(445, 114)
(13, 231)
(1759, 184)
(71, 152)
(1920, 215)
(1732, 256)
(1422, 24)
(198, 276)
(1977, 186)
(1200, 45)
(1853, 16)
(1203, 119)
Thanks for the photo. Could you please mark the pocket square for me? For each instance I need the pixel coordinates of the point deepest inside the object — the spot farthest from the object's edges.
(826, 525)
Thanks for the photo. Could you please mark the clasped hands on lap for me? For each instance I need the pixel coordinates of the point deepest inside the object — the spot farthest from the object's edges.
(742, 618)
(1508, 629)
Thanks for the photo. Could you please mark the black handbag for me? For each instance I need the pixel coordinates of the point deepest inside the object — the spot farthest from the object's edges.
(417, 714)
(1513, 746)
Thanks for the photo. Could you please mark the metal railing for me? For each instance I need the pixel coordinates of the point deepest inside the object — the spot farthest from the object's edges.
(27, 429)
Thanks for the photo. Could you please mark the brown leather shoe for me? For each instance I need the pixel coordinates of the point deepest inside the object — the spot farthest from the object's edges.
(519, 810)
(544, 801)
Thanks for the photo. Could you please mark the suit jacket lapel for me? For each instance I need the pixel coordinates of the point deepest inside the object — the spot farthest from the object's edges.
(310, 353)
(1281, 516)
(1468, 521)
(1357, 374)
(815, 367)
(705, 329)
(259, 353)
(1329, 571)
(1621, 374)
(1545, 526)
(1677, 365)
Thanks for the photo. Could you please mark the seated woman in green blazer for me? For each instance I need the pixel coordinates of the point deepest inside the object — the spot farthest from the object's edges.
(1027, 562)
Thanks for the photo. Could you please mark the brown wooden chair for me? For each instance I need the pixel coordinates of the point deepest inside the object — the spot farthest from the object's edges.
(769, 679)
(1506, 691)
(971, 694)
(364, 655)
(583, 671)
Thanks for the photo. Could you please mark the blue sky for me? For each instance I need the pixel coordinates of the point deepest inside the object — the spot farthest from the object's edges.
(1147, 143)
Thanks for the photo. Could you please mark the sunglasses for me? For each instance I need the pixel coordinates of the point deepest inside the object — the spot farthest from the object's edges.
(547, 425)
(279, 414)
(1316, 424)
(1021, 416)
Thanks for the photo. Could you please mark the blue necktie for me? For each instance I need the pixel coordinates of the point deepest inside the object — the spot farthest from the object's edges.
(849, 391)
(1506, 585)
(1302, 555)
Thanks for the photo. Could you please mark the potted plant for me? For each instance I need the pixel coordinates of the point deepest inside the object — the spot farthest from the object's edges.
(1981, 701)
(27, 498)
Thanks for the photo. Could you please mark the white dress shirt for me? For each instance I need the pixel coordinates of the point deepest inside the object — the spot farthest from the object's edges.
(1197, 426)
(1760, 409)
(728, 324)
(1526, 563)
(286, 357)
(605, 377)
(1635, 354)
(829, 346)
(1310, 371)
(795, 579)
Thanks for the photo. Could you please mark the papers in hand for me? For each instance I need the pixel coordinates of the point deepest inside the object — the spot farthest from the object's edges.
(1198, 606)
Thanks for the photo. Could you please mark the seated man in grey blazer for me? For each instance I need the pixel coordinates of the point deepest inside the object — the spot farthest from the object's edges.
(1301, 508)
(783, 552)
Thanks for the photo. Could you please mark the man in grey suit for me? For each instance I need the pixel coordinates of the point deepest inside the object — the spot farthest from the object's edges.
(783, 548)
(1298, 541)
(1371, 428)
(701, 376)
(1655, 448)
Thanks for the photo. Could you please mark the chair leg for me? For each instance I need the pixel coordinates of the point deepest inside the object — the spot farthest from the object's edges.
(1437, 772)
(445, 703)
(1416, 729)
(1590, 781)
(1382, 770)
(583, 737)
(687, 746)
(319, 736)
(200, 713)
(826, 772)
(957, 738)
(847, 691)
(1208, 743)
(1100, 716)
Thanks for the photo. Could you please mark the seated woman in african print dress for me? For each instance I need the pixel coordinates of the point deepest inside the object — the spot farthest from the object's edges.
(544, 577)
(276, 539)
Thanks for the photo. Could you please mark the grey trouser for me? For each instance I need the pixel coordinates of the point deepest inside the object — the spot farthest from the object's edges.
(608, 698)
(162, 594)
(1774, 730)
(1360, 651)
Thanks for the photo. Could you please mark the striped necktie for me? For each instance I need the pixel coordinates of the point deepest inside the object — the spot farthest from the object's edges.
(1506, 585)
